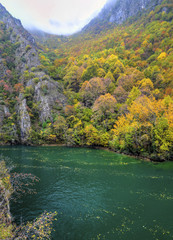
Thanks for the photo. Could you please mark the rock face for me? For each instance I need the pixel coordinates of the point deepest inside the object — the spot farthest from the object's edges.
(39, 90)
(48, 93)
(117, 11)
(15, 24)
(26, 54)
(4, 112)
(24, 121)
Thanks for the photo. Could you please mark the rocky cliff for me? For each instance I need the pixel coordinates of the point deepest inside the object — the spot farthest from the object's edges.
(25, 88)
(118, 11)
(25, 56)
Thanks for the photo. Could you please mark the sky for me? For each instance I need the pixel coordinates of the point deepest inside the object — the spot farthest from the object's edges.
(54, 16)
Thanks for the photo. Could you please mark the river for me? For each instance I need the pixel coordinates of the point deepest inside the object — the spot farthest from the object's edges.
(98, 194)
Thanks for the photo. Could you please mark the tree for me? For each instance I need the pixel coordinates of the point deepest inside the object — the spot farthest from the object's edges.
(109, 75)
(117, 73)
(90, 72)
(146, 86)
(110, 62)
(91, 135)
(101, 72)
(60, 127)
(16, 183)
(147, 128)
(135, 92)
(130, 79)
(162, 56)
(72, 79)
(91, 90)
(40, 228)
(120, 94)
(119, 65)
(104, 109)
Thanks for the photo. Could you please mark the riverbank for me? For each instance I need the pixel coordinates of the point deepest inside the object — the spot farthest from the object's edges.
(148, 159)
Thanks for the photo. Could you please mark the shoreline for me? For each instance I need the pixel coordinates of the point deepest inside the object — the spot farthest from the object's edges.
(146, 159)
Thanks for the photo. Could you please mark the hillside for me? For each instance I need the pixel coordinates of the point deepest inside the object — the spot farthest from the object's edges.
(109, 85)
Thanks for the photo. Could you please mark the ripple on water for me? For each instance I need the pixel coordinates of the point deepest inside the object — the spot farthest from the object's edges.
(97, 194)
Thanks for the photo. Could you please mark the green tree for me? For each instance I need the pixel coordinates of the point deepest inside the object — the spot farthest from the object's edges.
(104, 109)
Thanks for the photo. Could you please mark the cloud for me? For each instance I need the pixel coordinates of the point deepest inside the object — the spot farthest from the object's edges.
(54, 16)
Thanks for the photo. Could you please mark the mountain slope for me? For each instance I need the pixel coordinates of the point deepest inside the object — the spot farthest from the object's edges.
(118, 11)
(22, 82)
(118, 87)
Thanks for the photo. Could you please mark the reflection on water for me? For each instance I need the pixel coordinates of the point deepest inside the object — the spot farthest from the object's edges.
(97, 194)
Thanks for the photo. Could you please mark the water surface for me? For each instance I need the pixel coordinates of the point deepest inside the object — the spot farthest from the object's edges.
(98, 194)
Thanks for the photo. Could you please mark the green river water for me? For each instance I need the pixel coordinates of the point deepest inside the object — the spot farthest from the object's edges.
(98, 194)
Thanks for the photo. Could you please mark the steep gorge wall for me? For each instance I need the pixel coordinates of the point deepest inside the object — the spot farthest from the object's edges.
(43, 91)
(118, 11)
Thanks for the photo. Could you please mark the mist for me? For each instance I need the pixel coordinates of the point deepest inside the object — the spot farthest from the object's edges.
(52, 16)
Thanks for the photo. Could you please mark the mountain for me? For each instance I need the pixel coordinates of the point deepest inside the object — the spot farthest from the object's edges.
(118, 11)
(109, 85)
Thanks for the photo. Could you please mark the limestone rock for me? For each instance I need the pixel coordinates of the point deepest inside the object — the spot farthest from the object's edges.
(24, 121)
(45, 93)
(118, 11)
(26, 53)
(48, 95)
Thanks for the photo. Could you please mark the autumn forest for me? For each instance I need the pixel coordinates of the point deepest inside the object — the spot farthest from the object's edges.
(117, 81)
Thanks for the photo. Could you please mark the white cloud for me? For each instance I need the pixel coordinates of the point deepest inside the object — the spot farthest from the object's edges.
(54, 16)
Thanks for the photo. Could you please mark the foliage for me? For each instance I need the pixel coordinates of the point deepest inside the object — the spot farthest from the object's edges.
(146, 129)
(10, 183)
(40, 228)
(118, 83)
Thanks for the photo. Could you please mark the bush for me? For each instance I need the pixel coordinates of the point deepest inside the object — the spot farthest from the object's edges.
(27, 48)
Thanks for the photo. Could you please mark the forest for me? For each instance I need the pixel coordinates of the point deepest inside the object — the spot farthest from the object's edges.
(117, 81)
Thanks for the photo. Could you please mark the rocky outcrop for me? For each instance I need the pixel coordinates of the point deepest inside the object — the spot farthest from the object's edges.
(15, 24)
(4, 112)
(41, 95)
(24, 121)
(26, 55)
(118, 11)
(49, 96)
